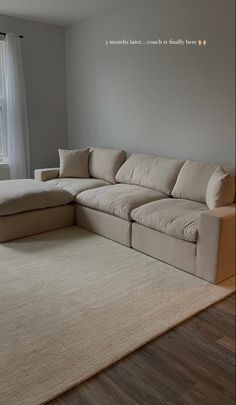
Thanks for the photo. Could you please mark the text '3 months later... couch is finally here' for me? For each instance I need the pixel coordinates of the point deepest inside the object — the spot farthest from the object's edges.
(178, 211)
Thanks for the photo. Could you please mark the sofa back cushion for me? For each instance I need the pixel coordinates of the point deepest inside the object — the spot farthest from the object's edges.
(105, 163)
(155, 172)
(193, 180)
(231, 170)
(220, 189)
(74, 163)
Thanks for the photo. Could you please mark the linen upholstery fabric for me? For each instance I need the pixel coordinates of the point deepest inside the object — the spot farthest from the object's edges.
(74, 163)
(155, 172)
(118, 199)
(104, 224)
(216, 244)
(32, 222)
(46, 174)
(27, 195)
(105, 163)
(76, 186)
(220, 189)
(177, 252)
(192, 180)
(178, 218)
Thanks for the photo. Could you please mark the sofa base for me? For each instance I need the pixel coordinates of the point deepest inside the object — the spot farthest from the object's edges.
(33, 222)
(104, 224)
(177, 252)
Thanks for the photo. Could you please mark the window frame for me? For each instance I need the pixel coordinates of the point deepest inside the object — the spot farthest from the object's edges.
(3, 140)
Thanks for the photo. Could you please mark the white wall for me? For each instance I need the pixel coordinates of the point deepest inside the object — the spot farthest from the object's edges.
(176, 101)
(43, 49)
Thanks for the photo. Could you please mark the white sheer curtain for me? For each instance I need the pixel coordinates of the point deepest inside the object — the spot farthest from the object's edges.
(16, 110)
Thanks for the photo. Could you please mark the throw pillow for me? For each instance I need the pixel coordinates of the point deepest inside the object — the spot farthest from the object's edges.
(220, 189)
(74, 163)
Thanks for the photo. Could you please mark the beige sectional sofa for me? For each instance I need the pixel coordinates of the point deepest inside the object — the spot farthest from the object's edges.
(157, 205)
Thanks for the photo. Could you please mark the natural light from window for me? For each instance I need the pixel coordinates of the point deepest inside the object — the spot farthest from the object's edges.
(2, 107)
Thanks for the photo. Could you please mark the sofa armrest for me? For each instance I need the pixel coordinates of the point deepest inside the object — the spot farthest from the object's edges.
(216, 244)
(46, 174)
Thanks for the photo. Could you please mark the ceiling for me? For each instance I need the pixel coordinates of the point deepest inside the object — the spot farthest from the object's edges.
(60, 12)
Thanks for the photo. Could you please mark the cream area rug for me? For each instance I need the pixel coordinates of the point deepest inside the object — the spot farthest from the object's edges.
(72, 303)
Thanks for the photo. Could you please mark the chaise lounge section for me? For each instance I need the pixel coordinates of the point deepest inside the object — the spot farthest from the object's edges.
(28, 207)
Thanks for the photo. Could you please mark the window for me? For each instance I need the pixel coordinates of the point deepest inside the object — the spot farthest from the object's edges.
(2, 107)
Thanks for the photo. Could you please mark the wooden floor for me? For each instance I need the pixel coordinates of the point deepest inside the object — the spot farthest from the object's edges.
(191, 364)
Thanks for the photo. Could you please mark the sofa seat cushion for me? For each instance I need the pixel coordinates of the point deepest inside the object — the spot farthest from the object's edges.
(178, 218)
(76, 186)
(118, 199)
(27, 195)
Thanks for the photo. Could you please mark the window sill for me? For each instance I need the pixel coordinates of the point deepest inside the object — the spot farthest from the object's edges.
(4, 164)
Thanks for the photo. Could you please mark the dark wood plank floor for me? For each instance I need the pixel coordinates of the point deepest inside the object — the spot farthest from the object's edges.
(191, 364)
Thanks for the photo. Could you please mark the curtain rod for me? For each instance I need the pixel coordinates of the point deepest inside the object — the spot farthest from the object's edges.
(4, 34)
